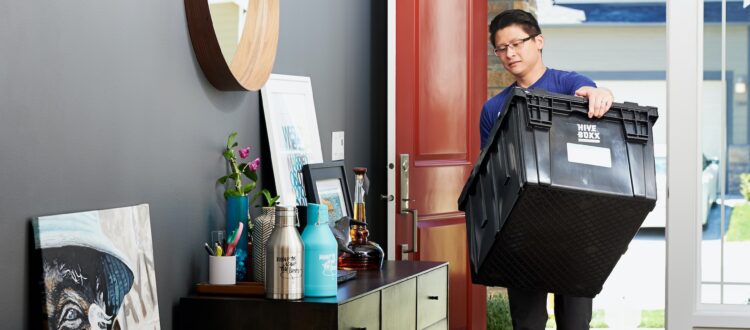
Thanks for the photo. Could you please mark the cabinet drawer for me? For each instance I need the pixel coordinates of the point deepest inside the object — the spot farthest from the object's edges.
(439, 325)
(432, 297)
(362, 313)
(399, 306)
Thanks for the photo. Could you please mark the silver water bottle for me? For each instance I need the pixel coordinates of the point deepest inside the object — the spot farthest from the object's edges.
(285, 254)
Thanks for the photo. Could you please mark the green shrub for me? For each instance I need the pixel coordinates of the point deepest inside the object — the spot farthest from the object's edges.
(597, 319)
(652, 318)
(739, 224)
(498, 313)
(745, 185)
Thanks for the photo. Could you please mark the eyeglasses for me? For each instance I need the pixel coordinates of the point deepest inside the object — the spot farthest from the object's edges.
(515, 44)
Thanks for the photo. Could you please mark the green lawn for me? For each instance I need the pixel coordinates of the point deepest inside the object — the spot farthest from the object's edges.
(498, 316)
(739, 223)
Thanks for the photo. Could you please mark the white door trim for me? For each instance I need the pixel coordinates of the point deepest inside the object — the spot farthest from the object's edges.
(391, 129)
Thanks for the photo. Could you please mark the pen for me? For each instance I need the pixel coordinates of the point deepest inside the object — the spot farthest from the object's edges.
(219, 250)
(208, 249)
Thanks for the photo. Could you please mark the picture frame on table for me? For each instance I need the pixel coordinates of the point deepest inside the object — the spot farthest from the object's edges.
(326, 184)
(292, 129)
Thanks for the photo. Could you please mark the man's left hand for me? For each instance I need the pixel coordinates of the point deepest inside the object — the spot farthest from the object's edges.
(600, 100)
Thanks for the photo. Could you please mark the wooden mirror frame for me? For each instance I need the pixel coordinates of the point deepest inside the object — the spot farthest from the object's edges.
(252, 62)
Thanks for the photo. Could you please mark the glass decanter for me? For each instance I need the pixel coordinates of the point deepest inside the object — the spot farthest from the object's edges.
(367, 255)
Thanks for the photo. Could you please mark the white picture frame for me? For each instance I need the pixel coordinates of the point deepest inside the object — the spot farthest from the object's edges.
(292, 129)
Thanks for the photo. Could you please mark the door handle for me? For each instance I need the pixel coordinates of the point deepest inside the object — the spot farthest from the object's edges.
(405, 209)
(405, 250)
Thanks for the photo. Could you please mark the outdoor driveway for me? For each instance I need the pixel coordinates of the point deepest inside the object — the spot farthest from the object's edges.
(638, 281)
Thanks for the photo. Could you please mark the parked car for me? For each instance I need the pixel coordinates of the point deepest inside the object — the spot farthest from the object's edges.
(709, 193)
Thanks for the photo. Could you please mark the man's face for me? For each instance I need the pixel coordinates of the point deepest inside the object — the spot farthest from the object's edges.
(521, 59)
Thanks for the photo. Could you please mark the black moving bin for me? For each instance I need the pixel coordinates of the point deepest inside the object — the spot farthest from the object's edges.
(555, 197)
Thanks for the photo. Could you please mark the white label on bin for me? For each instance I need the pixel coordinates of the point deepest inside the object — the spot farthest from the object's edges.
(584, 154)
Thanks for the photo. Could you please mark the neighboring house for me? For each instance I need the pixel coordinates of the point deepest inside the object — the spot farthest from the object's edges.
(622, 45)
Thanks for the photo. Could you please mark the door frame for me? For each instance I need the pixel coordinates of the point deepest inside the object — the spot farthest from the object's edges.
(683, 311)
(683, 234)
(391, 126)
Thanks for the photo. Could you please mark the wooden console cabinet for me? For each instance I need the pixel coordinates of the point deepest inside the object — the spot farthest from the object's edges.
(403, 295)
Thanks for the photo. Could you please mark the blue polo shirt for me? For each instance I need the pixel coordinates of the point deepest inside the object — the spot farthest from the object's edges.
(555, 81)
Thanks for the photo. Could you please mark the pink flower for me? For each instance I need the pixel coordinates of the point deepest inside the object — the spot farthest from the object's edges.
(255, 164)
(244, 152)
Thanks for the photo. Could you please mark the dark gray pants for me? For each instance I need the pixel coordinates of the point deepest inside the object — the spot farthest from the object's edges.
(528, 309)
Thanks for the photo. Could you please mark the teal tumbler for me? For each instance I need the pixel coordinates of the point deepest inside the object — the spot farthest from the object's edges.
(321, 254)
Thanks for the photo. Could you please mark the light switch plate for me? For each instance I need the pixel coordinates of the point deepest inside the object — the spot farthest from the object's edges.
(337, 145)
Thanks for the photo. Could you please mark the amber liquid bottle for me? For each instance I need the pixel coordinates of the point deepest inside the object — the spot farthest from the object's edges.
(367, 255)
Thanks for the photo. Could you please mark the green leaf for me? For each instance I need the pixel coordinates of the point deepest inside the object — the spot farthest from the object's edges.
(270, 200)
(230, 139)
(232, 192)
(250, 174)
(222, 180)
(228, 154)
(248, 187)
(234, 144)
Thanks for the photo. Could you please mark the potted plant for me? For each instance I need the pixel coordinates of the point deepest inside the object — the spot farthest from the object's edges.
(236, 195)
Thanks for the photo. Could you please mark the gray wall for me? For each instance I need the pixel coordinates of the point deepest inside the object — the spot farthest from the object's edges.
(103, 105)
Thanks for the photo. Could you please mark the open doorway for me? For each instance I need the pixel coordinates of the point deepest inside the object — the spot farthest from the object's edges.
(621, 45)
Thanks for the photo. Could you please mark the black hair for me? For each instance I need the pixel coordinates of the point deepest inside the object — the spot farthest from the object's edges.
(524, 19)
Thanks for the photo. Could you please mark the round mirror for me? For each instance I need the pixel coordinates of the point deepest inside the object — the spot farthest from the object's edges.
(234, 40)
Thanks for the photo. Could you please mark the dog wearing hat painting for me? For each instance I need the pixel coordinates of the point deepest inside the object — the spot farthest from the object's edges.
(94, 267)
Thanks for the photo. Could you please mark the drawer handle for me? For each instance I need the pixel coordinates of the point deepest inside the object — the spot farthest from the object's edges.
(433, 297)
(359, 328)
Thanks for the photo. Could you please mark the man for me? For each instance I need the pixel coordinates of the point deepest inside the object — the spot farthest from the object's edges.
(518, 42)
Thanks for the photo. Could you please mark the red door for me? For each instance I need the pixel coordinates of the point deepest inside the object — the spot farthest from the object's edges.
(441, 68)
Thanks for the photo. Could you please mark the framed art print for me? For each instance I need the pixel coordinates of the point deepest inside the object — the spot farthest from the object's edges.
(293, 136)
(326, 184)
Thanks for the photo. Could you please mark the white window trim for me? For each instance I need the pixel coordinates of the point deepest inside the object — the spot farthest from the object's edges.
(683, 235)
(684, 95)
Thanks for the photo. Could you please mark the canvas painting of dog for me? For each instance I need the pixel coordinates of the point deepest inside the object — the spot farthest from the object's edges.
(98, 269)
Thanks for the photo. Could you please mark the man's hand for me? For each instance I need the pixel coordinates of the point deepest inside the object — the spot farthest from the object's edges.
(600, 100)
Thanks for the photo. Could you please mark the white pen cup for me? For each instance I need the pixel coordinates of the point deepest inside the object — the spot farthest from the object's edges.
(221, 270)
